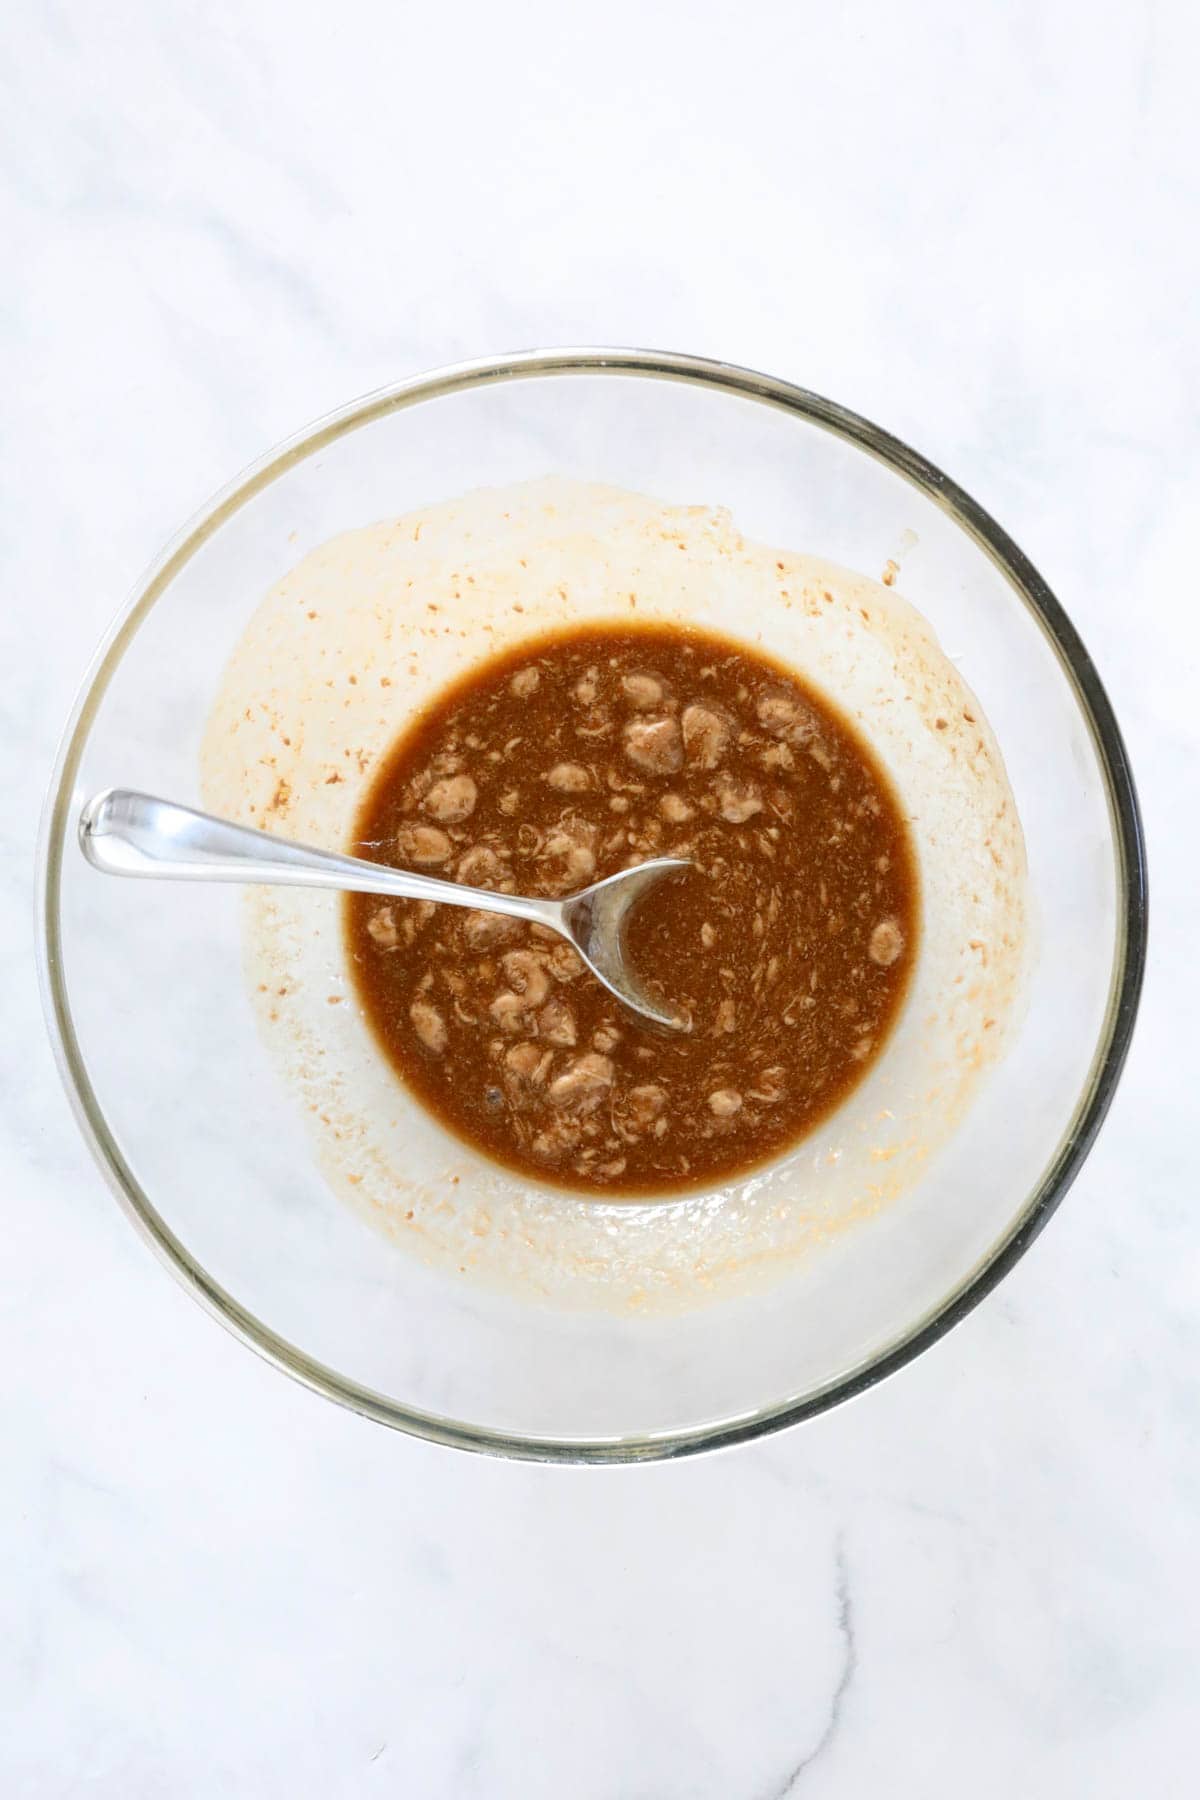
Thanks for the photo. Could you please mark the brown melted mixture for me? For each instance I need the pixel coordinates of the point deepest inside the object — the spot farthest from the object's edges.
(789, 944)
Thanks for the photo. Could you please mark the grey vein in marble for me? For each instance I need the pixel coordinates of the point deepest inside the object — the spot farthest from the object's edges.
(847, 1669)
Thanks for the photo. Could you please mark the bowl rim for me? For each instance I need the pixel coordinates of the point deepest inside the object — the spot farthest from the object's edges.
(1128, 842)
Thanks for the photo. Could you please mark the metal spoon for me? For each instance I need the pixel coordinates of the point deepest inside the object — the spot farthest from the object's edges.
(126, 833)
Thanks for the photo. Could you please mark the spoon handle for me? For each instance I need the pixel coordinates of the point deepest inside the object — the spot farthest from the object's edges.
(127, 833)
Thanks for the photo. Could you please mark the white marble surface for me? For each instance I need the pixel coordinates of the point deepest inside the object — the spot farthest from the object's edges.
(977, 225)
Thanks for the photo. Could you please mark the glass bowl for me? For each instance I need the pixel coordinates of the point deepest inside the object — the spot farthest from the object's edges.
(146, 993)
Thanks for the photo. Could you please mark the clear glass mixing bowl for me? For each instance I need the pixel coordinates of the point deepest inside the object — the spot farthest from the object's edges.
(174, 1092)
